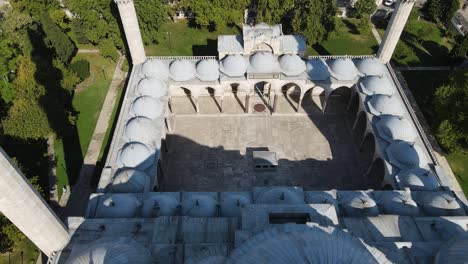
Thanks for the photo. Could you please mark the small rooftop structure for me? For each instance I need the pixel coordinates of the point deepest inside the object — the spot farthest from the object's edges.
(265, 160)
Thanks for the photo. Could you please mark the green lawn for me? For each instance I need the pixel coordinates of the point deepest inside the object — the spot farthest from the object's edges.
(183, 40)
(347, 39)
(87, 103)
(30, 254)
(459, 164)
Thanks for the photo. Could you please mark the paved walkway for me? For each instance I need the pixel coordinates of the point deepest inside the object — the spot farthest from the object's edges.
(375, 33)
(76, 199)
(88, 51)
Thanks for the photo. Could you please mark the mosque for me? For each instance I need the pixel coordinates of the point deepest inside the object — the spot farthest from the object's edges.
(258, 155)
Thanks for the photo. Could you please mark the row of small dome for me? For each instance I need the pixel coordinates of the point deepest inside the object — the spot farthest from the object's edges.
(347, 203)
(183, 70)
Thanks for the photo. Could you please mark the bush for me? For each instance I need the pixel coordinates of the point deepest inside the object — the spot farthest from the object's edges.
(108, 50)
(81, 68)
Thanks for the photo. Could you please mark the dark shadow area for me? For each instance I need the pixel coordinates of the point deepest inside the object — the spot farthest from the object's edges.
(352, 28)
(321, 50)
(210, 49)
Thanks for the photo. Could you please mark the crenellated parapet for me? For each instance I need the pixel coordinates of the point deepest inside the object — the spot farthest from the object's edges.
(122, 2)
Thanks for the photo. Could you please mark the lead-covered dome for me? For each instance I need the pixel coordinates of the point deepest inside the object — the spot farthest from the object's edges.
(358, 204)
(182, 70)
(292, 65)
(160, 204)
(147, 106)
(441, 204)
(199, 205)
(263, 62)
(279, 195)
(454, 250)
(112, 250)
(317, 70)
(155, 68)
(343, 69)
(233, 65)
(208, 70)
(152, 87)
(393, 128)
(130, 181)
(398, 203)
(371, 66)
(118, 205)
(136, 155)
(406, 155)
(417, 179)
(232, 203)
(372, 85)
(142, 129)
(385, 105)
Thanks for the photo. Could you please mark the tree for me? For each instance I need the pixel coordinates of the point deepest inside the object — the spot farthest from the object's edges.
(108, 50)
(460, 50)
(81, 68)
(442, 10)
(57, 39)
(214, 13)
(26, 86)
(152, 14)
(365, 8)
(314, 19)
(273, 11)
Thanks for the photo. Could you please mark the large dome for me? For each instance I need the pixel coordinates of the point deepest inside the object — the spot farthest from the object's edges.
(232, 203)
(441, 204)
(199, 205)
(279, 195)
(292, 65)
(393, 128)
(454, 250)
(208, 70)
(405, 155)
(136, 154)
(112, 251)
(371, 66)
(160, 204)
(397, 203)
(358, 204)
(142, 129)
(182, 70)
(343, 69)
(304, 244)
(130, 181)
(371, 85)
(233, 66)
(385, 105)
(148, 107)
(152, 87)
(263, 62)
(317, 70)
(417, 179)
(118, 205)
(155, 68)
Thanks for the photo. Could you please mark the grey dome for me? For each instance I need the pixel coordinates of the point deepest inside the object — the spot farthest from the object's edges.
(152, 87)
(279, 195)
(371, 66)
(263, 62)
(232, 203)
(155, 68)
(397, 203)
(208, 70)
(343, 69)
(199, 205)
(441, 204)
(233, 65)
(118, 205)
(136, 154)
(112, 251)
(417, 179)
(291, 243)
(292, 65)
(142, 129)
(393, 128)
(208, 255)
(371, 85)
(182, 70)
(453, 251)
(160, 204)
(385, 105)
(317, 70)
(147, 106)
(129, 181)
(405, 155)
(358, 204)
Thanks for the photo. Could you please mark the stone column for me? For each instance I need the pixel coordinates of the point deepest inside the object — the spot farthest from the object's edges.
(132, 30)
(26, 209)
(275, 102)
(394, 30)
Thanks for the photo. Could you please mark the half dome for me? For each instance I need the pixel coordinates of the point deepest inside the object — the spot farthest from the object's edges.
(279, 195)
(118, 205)
(199, 205)
(263, 62)
(208, 70)
(393, 128)
(385, 105)
(182, 70)
(292, 65)
(371, 66)
(441, 204)
(147, 106)
(405, 155)
(417, 179)
(142, 129)
(152, 87)
(397, 203)
(233, 66)
(317, 70)
(343, 69)
(136, 155)
(160, 204)
(155, 68)
(358, 204)
(232, 203)
(372, 85)
(130, 181)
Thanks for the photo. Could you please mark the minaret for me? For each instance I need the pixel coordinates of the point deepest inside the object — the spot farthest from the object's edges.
(25, 208)
(132, 30)
(394, 29)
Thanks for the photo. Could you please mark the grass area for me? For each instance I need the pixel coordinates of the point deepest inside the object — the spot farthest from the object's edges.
(459, 164)
(422, 43)
(347, 39)
(87, 103)
(30, 254)
(186, 41)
